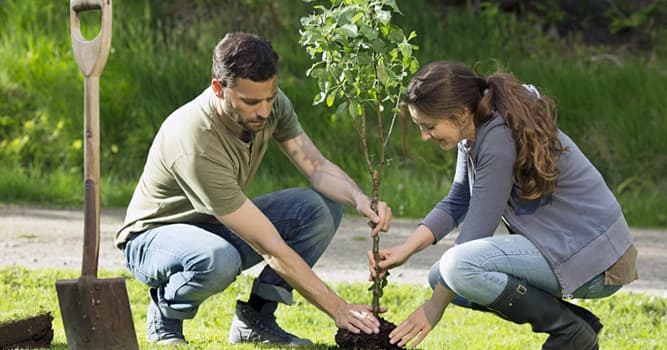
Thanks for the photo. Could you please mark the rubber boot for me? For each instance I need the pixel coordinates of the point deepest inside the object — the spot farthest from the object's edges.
(521, 303)
(584, 313)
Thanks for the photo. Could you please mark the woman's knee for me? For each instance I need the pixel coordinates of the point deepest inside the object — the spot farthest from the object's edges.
(434, 275)
(458, 268)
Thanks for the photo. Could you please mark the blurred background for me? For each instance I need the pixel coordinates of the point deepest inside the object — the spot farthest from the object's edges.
(602, 61)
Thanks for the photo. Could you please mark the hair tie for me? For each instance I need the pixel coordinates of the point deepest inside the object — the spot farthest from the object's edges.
(482, 84)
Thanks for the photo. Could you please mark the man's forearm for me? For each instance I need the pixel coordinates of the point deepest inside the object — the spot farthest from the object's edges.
(289, 265)
(333, 182)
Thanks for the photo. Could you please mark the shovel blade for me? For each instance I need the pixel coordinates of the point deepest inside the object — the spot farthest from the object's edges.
(96, 313)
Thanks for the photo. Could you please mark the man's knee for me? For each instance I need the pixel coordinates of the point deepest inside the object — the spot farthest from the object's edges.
(216, 268)
(331, 212)
(335, 210)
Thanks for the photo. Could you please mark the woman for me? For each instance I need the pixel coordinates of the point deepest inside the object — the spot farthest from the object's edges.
(568, 238)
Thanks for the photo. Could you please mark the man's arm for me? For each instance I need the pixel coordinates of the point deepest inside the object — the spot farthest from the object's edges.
(330, 180)
(252, 226)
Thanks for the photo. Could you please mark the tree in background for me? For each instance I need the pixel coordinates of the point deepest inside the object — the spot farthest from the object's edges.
(361, 61)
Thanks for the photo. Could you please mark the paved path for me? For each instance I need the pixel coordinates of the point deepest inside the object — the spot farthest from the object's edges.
(38, 237)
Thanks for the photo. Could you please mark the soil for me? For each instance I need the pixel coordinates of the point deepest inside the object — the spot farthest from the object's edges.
(36, 237)
(31, 332)
(347, 340)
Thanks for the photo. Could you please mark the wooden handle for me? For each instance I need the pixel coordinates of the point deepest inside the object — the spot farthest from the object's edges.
(85, 5)
(91, 55)
(91, 174)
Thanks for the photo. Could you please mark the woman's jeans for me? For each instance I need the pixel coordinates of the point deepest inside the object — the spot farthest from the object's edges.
(187, 263)
(477, 271)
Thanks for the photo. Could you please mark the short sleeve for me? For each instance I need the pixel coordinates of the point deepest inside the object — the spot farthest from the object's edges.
(210, 186)
(288, 125)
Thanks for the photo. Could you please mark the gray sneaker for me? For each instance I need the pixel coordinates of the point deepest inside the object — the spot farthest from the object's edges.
(159, 329)
(260, 327)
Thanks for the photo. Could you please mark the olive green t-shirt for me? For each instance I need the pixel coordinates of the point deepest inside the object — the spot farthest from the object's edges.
(197, 167)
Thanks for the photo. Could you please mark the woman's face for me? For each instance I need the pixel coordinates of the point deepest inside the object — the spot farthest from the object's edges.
(445, 132)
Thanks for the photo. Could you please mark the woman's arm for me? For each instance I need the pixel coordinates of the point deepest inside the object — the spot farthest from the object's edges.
(423, 320)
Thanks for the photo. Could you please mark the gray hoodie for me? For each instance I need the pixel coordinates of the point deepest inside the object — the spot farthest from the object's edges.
(580, 228)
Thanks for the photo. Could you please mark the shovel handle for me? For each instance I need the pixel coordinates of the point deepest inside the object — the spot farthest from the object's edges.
(91, 55)
(91, 174)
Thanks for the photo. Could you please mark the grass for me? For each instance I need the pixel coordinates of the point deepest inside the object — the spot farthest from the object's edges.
(632, 321)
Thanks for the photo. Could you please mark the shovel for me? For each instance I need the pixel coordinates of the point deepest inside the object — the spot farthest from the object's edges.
(96, 312)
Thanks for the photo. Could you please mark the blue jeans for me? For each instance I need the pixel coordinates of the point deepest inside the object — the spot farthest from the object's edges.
(188, 263)
(477, 271)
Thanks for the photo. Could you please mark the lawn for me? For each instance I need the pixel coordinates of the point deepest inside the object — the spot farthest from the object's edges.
(632, 321)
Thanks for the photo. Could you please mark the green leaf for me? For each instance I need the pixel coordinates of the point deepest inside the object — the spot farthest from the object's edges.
(363, 58)
(331, 98)
(341, 111)
(378, 45)
(392, 4)
(319, 98)
(383, 17)
(353, 109)
(396, 35)
(382, 74)
(368, 32)
(349, 30)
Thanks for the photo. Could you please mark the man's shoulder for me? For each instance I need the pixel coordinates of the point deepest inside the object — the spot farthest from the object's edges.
(282, 105)
(190, 117)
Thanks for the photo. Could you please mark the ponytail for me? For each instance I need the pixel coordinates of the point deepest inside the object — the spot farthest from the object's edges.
(532, 120)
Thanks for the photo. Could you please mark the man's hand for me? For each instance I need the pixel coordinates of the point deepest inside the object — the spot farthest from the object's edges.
(380, 222)
(357, 318)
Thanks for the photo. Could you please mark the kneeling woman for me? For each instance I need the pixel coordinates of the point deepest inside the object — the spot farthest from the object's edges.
(568, 237)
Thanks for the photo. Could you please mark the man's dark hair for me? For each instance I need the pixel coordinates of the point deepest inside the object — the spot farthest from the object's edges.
(243, 55)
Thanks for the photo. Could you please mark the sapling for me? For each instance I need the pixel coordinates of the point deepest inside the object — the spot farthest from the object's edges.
(361, 62)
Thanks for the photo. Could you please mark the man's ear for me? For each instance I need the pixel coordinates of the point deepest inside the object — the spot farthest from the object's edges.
(217, 86)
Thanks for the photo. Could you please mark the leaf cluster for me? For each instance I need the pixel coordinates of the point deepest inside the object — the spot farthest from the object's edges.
(359, 55)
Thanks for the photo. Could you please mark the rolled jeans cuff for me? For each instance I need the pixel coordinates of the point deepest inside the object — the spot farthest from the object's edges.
(175, 311)
(272, 292)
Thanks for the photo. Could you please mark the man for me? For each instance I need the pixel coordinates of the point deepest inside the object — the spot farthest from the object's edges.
(190, 230)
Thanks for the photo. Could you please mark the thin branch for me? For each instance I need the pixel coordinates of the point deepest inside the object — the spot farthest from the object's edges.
(393, 118)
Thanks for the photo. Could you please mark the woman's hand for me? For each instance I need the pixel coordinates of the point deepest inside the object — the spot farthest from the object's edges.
(389, 258)
(417, 326)
(357, 318)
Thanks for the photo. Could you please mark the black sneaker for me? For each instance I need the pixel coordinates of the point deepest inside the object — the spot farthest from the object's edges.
(159, 329)
(260, 327)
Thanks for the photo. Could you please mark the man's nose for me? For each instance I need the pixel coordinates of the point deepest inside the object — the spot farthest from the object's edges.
(426, 135)
(263, 110)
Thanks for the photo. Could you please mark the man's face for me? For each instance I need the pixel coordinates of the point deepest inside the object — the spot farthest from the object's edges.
(249, 103)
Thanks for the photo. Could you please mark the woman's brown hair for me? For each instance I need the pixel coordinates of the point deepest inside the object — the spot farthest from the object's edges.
(444, 89)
